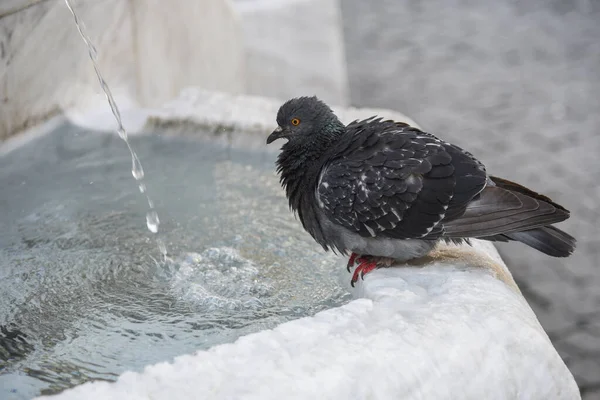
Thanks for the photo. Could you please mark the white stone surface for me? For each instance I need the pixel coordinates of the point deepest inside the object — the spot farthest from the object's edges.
(45, 66)
(294, 47)
(12, 6)
(147, 52)
(184, 43)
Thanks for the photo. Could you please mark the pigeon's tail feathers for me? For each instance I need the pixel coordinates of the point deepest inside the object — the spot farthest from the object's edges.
(499, 211)
(506, 208)
(547, 239)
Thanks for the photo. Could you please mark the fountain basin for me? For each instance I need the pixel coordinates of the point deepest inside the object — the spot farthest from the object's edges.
(241, 267)
(85, 292)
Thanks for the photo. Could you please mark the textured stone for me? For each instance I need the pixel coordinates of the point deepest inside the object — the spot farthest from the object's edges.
(146, 52)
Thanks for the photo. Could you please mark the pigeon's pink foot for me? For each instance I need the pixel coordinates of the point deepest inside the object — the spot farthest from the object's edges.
(351, 261)
(367, 264)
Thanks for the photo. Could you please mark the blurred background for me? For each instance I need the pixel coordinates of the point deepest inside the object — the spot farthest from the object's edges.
(518, 84)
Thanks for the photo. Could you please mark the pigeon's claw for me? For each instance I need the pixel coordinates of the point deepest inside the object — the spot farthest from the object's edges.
(367, 264)
(368, 268)
(351, 261)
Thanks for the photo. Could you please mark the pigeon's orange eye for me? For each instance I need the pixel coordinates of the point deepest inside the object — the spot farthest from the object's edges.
(295, 121)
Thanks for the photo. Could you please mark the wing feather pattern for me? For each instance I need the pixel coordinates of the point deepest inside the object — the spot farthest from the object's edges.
(393, 180)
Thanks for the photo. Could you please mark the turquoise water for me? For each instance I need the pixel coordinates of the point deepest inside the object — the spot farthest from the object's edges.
(85, 292)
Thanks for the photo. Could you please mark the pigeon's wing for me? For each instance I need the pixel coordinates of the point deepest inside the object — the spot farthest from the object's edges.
(505, 207)
(389, 179)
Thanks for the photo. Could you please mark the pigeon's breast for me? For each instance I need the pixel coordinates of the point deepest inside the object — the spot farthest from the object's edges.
(345, 240)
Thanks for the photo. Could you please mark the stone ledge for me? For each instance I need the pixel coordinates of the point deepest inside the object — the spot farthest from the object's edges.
(254, 115)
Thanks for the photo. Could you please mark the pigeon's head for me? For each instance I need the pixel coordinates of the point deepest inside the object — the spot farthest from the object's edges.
(300, 119)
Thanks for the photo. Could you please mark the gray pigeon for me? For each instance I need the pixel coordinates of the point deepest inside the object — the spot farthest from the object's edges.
(383, 190)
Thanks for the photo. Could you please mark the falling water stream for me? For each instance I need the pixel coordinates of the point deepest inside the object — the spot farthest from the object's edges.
(152, 220)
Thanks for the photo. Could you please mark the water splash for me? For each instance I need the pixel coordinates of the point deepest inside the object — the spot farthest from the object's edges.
(220, 278)
(137, 170)
(152, 221)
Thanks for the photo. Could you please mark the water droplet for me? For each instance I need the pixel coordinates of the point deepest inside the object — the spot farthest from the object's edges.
(152, 221)
(162, 247)
(142, 188)
(122, 133)
(136, 167)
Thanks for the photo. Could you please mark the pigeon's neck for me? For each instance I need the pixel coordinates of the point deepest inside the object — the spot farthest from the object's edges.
(300, 163)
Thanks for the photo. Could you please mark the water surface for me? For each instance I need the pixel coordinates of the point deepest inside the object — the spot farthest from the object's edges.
(84, 291)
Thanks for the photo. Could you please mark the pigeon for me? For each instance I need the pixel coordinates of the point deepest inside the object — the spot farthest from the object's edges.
(383, 191)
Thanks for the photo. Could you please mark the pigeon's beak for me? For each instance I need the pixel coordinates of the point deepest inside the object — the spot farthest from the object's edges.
(277, 134)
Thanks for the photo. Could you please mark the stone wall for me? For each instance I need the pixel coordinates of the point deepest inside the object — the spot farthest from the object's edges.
(148, 52)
